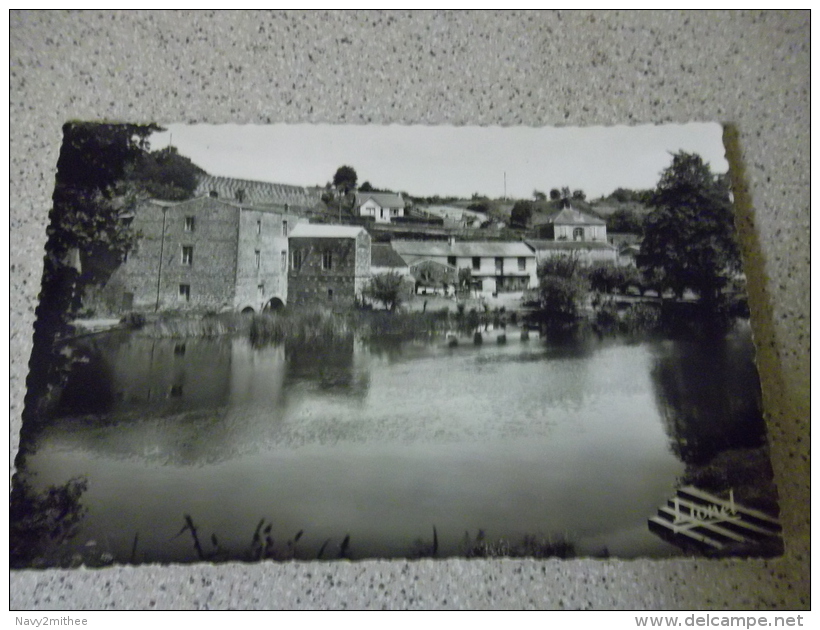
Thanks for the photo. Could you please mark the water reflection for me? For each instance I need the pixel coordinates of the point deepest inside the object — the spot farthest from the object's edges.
(386, 440)
(709, 395)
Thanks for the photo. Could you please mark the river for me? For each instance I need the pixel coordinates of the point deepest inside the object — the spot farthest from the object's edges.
(578, 441)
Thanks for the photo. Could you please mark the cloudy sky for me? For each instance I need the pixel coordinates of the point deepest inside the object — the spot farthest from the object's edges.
(457, 161)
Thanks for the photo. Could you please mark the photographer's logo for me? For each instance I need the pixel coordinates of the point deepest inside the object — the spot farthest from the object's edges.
(694, 517)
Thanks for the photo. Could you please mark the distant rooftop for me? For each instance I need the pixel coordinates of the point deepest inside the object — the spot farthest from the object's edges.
(314, 230)
(569, 216)
(385, 200)
(465, 248)
(383, 255)
(256, 192)
(543, 245)
(163, 203)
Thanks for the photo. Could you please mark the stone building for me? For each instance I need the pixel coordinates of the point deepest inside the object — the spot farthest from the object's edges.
(204, 254)
(329, 264)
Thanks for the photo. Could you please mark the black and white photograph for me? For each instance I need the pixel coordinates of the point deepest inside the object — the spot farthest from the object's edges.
(344, 342)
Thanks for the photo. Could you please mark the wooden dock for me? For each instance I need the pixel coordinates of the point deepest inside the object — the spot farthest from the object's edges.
(694, 518)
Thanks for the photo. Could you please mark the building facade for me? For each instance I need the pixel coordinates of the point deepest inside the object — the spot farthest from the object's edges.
(495, 266)
(329, 264)
(204, 254)
(570, 232)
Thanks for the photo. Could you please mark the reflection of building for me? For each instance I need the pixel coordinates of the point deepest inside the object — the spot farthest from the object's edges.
(570, 232)
(496, 266)
(382, 207)
(205, 253)
(329, 264)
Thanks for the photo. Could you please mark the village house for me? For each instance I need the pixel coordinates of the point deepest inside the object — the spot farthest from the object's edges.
(570, 232)
(329, 264)
(495, 266)
(205, 254)
(382, 207)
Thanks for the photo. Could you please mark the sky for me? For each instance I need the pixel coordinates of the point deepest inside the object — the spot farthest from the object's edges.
(445, 160)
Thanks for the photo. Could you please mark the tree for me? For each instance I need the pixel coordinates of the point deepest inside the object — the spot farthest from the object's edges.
(386, 288)
(366, 187)
(555, 194)
(579, 194)
(88, 221)
(689, 236)
(562, 290)
(165, 174)
(521, 214)
(537, 195)
(345, 179)
(624, 221)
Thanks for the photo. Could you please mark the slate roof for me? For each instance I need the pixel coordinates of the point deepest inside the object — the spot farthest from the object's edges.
(541, 245)
(568, 216)
(385, 200)
(314, 230)
(257, 192)
(383, 255)
(466, 248)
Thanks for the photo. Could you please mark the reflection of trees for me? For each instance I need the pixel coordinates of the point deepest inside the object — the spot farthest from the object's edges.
(709, 396)
(39, 522)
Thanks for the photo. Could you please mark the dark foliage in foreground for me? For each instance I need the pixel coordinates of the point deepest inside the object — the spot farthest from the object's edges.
(40, 521)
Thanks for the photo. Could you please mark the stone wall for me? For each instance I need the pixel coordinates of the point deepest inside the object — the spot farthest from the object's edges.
(152, 276)
(262, 264)
(311, 280)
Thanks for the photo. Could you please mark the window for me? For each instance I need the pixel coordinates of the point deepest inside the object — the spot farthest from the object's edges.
(189, 224)
(578, 234)
(259, 226)
(284, 261)
(176, 391)
(451, 260)
(522, 263)
(179, 350)
(296, 259)
(499, 265)
(187, 254)
(330, 294)
(258, 257)
(476, 263)
(284, 227)
(185, 292)
(327, 260)
(260, 291)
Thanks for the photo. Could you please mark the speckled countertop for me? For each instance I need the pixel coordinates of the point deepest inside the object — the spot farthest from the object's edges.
(750, 70)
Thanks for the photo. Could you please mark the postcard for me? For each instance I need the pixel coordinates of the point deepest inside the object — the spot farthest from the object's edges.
(325, 343)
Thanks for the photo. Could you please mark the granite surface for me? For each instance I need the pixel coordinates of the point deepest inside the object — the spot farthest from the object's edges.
(748, 70)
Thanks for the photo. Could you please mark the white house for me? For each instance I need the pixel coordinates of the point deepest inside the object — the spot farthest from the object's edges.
(495, 266)
(383, 207)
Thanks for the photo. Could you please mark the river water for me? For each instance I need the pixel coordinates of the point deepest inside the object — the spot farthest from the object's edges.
(579, 441)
